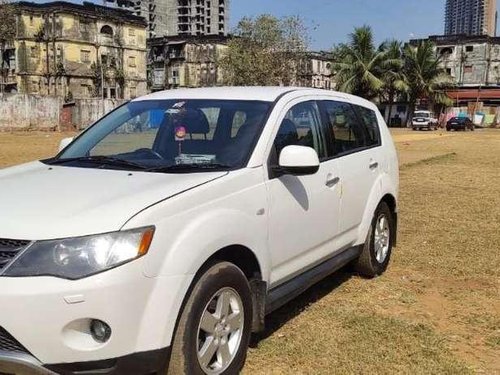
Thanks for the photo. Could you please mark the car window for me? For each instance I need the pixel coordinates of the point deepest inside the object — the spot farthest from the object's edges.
(172, 133)
(344, 127)
(137, 133)
(370, 125)
(302, 127)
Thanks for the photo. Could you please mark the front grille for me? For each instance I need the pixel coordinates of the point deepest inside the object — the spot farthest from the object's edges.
(9, 249)
(10, 344)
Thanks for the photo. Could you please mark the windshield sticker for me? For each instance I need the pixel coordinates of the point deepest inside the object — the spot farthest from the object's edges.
(183, 159)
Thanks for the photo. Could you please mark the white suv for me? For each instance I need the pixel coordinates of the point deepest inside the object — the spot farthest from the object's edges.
(160, 237)
(424, 120)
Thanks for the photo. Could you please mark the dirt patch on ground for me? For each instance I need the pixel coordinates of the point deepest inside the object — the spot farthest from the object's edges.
(21, 147)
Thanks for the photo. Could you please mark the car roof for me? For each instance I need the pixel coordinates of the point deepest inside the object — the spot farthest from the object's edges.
(262, 93)
(268, 94)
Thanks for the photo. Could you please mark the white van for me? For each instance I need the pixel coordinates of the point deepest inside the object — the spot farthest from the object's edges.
(160, 237)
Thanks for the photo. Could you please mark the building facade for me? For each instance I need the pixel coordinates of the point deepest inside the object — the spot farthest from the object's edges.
(316, 71)
(189, 61)
(77, 51)
(470, 60)
(471, 17)
(180, 17)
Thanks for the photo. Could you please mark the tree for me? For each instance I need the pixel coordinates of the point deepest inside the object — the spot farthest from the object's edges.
(393, 78)
(265, 51)
(359, 65)
(7, 35)
(425, 77)
(42, 36)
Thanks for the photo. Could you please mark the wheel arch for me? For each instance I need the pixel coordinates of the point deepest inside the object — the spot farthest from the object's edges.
(383, 191)
(391, 202)
(247, 261)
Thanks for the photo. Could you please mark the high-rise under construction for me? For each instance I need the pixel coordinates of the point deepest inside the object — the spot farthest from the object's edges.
(471, 17)
(180, 17)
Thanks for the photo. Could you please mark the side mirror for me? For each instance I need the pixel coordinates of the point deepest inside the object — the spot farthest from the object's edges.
(299, 160)
(64, 143)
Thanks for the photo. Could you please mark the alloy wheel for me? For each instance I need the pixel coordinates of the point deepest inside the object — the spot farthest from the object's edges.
(220, 331)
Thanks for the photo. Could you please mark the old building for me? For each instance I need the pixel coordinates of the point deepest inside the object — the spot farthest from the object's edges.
(78, 51)
(474, 64)
(180, 17)
(188, 61)
(471, 17)
(316, 71)
(470, 60)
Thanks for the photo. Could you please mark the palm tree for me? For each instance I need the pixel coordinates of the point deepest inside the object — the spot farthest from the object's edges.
(425, 77)
(393, 78)
(359, 65)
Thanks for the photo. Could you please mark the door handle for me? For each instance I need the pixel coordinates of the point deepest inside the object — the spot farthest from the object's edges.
(332, 181)
(373, 165)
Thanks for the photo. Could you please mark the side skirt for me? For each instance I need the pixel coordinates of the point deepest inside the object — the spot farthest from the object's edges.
(287, 291)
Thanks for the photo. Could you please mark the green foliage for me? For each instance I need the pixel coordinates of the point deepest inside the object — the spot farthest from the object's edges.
(359, 65)
(265, 51)
(7, 24)
(425, 77)
(97, 77)
(390, 71)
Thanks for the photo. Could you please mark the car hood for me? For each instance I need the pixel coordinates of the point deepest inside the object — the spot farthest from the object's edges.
(40, 202)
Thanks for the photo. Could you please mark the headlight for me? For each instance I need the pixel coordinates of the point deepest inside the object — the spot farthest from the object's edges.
(79, 257)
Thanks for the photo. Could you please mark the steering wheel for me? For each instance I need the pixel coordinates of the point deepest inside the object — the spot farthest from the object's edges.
(151, 152)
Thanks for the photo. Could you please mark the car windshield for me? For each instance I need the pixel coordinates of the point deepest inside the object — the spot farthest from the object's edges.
(459, 119)
(422, 114)
(170, 135)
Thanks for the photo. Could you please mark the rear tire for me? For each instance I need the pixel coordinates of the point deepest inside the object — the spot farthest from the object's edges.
(214, 329)
(377, 249)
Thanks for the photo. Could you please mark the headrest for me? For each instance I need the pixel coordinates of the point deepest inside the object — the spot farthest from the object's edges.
(195, 122)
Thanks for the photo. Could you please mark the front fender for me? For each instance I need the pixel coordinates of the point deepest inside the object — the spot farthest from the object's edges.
(210, 232)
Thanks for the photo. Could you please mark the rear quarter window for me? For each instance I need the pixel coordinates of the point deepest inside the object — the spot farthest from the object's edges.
(370, 125)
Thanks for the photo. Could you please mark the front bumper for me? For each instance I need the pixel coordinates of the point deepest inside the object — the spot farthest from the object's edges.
(49, 318)
(155, 361)
(18, 363)
(456, 127)
(422, 125)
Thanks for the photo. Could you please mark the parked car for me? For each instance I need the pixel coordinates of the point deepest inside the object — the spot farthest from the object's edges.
(424, 120)
(460, 123)
(161, 236)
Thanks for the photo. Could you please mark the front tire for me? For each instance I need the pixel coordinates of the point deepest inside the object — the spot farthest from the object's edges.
(214, 329)
(377, 249)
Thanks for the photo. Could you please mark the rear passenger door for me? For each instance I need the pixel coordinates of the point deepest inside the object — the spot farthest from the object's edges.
(355, 141)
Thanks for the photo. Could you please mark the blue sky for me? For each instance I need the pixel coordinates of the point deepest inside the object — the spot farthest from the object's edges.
(330, 21)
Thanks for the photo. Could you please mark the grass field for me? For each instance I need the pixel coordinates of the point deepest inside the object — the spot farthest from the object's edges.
(437, 309)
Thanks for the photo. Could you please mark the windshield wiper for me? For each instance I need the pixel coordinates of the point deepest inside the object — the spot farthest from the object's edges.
(102, 160)
(188, 167)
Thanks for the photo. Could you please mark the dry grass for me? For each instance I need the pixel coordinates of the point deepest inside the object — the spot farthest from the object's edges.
(437, 309)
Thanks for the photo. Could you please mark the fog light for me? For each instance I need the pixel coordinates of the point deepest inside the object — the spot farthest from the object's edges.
(101, 332)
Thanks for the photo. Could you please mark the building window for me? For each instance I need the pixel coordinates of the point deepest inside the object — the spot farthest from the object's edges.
(104, 60)
(131, 32)
(31, 20)
(468, 69)
(131, 61)
(33, 52)
(469, 48)
(85, 56)
(107, 30)
(133, 92)
(448, 71)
